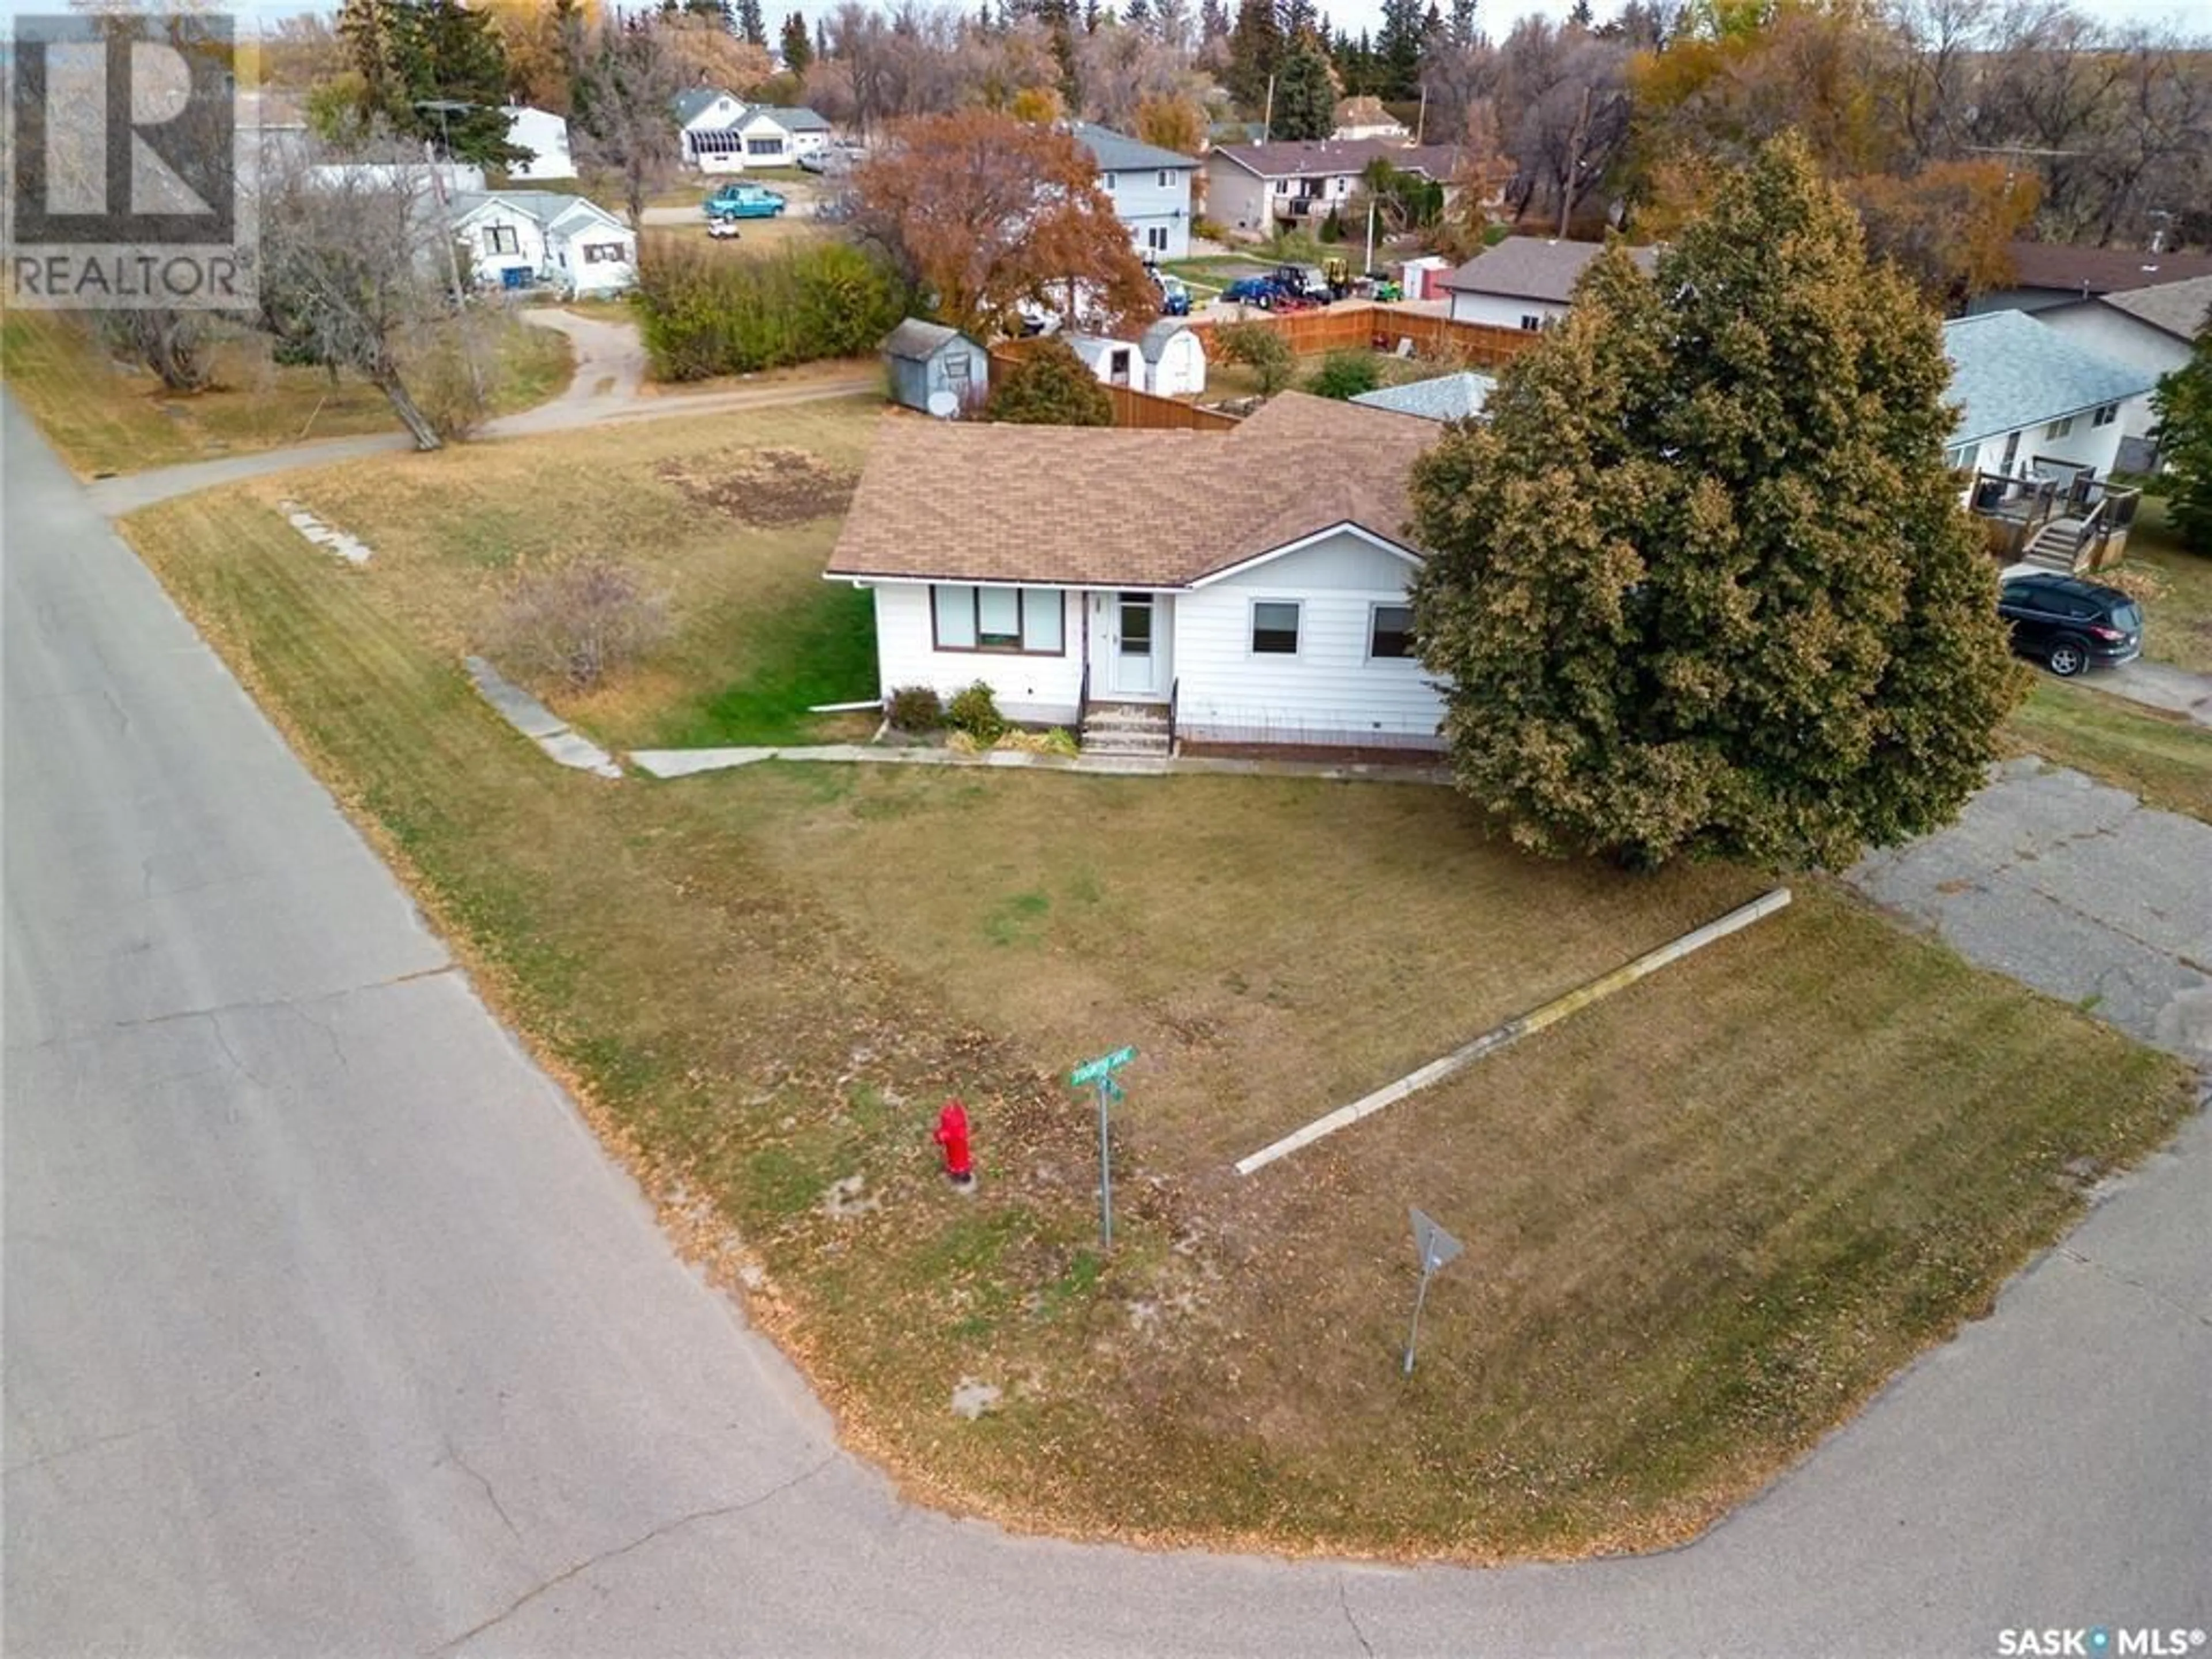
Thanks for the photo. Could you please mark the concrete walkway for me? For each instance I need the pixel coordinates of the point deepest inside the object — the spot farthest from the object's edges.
(685, 762)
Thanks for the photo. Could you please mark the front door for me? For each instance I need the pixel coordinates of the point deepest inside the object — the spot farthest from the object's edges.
(1134, 671)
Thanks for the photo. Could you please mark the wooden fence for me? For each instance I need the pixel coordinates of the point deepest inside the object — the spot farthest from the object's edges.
(1475, 345)
(1132, 408)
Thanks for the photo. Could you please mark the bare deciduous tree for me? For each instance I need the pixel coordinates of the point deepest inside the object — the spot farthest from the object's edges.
(625, 121)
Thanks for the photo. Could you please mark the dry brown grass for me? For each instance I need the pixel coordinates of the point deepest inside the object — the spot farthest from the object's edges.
(104, 418)
(1704, 1218)
(735, 531)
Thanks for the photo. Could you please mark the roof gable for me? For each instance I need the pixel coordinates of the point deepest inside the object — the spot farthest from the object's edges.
(2010, 372)
(2180, 309)
(1443, 397)
(917, 341)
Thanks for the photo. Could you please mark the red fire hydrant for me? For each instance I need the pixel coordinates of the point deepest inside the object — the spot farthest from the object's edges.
(952, 1135)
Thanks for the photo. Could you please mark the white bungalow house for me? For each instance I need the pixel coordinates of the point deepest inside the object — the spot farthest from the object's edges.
(705, 117)
(2040, 422)
(546, 135)
(1254, 592)
(1175, 359)
(518, 239)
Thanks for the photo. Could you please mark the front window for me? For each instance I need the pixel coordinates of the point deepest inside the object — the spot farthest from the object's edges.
(1956, 459)
(1274, 628)
(1167, 179)
(763, 146)
(2107, 415)
(1027, 620)
(603, 253)
(1531, 324)
(1390, 631)
(2060, 428)
(1108, 181)
(502, 238)
(957, 367)
(1156, 238)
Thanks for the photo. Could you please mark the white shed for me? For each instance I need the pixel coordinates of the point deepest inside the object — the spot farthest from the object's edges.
(1116, 363)
(1175, 359)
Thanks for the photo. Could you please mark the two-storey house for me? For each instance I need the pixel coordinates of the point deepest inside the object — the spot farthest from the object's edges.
(1150, 188)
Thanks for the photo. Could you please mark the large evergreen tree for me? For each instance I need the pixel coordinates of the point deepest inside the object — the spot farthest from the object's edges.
(1398, 50)
(1702, 584)
(1305, 95)
(797, 49)
(1255, 54)
(751, 26)
(2183, 405)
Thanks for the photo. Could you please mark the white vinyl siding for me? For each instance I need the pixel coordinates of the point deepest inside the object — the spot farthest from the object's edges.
(1335, 691)
(1029, 687)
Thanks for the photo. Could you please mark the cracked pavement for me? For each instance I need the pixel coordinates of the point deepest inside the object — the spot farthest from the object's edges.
(330, 1330)
(2076, 888)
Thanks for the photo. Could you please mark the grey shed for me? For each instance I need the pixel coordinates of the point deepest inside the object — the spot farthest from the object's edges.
(934, 369)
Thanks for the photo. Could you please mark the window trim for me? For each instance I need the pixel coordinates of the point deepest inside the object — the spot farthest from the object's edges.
(1960, 457)
(493, 236)
(1531, 323)
(1374, 609)
(2061, 427)
(1022, 598)
(2105, 415)
(1298, 629)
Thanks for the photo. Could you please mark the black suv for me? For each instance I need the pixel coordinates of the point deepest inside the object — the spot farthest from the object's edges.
(2070, 623)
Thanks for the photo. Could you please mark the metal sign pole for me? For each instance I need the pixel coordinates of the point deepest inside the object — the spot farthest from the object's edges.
(1436, 1248)
(1105, 1175)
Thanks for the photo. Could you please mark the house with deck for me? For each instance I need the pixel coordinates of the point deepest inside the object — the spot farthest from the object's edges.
(1256, 190)
(2041, 421)
(1252, 596)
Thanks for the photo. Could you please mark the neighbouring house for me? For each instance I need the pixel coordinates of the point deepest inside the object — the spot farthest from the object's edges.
(1254, 593)
(2047, 274)
(936, 369)
(1256, 190)
(1365, 118)
(2040, 419)
(1116, 363)
(1525, 281)
(2148, 328)
(1443, 398)
(519, 239)
(706, 117)
(1150, 188)
(546, 135)
(1175, 359)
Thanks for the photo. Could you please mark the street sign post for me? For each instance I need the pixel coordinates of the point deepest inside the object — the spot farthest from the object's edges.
(1099, 1073)
(1436, 1248)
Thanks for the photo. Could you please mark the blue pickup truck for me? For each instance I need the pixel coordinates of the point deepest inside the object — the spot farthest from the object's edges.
(744, 202)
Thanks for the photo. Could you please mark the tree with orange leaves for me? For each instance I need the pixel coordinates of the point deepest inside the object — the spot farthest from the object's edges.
(985, 213)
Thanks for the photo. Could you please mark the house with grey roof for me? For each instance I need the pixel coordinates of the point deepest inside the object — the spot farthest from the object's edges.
(1525, 282)
(2047, 274)
(706, 117)
(2148, 328)
(1150, 188)
(2040, 420)
(1254, 593)
(1441, 397)
(522, 238)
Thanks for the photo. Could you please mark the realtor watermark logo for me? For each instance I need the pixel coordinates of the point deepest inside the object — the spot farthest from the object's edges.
(123, 188)
(2102, 1642)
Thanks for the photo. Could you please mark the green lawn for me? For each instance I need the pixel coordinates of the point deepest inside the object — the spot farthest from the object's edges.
(1707, 1219)
(105, 418)
(2163, 757)
(2176, 594)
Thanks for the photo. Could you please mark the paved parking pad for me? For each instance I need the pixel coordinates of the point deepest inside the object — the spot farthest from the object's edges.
(2073, 888)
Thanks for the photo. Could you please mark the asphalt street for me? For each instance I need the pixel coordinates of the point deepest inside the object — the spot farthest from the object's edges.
(329, 1329)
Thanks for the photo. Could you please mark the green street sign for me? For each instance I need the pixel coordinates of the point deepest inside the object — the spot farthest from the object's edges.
(1092, 1069)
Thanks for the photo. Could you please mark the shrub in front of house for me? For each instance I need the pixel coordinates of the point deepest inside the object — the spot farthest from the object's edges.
(1051, 385)
(975, 711)
(914, 708)
(704, 314)
(578, 621)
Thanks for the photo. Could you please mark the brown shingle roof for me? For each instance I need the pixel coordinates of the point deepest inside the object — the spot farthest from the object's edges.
(1083, 506)
(2179, 308)
(2088, 271)
(1329, 157)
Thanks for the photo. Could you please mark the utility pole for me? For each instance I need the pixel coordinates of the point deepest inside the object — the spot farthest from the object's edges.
(1421, 121)
(1268, 117)
(441, 107)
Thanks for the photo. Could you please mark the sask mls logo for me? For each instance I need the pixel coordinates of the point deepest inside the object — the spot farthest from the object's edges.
(122, 189)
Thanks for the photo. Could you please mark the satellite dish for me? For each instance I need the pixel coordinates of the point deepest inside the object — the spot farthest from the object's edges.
(943, 404)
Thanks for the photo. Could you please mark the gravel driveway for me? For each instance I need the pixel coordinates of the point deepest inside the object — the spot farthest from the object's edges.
(2076, 888)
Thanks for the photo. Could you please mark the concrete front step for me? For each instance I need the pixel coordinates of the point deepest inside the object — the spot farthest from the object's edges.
(1124, 715)
(1095, 742)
